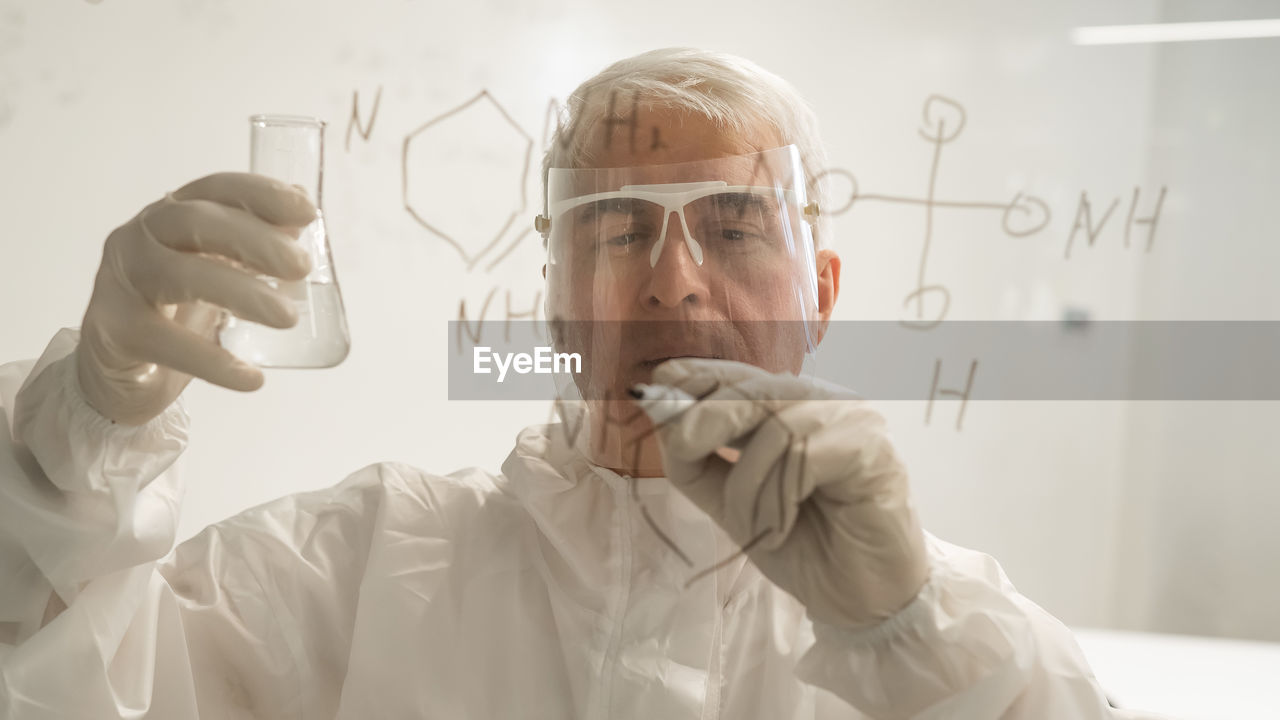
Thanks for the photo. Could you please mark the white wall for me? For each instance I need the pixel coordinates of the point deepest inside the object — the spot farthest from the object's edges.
(104, 107)
(1203, 478)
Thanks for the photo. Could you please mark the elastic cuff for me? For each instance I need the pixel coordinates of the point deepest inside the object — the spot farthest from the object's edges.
(77, 447)
(910, 616)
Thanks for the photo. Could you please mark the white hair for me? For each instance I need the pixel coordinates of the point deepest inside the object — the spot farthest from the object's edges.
(733, 92)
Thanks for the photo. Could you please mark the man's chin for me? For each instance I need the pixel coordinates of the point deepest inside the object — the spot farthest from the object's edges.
(615, 389)
(655, 362)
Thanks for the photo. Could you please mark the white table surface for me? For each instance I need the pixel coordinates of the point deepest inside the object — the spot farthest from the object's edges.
(1186, 677)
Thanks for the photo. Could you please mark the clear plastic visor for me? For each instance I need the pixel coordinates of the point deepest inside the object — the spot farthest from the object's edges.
(713, 258)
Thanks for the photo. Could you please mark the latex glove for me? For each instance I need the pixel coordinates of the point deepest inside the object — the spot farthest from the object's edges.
(165, 276)
(818, 499)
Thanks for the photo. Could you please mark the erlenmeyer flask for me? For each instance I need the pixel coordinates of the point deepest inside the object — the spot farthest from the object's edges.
(291, 148)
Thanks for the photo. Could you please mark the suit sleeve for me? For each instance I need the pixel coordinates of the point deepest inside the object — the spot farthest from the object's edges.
(216, 628)
(968, 646)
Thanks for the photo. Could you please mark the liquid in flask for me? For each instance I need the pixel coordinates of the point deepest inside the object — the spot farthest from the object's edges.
(291, 148)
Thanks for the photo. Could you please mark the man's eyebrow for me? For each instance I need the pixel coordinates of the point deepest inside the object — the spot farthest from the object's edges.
(590, 210)
(740, 200)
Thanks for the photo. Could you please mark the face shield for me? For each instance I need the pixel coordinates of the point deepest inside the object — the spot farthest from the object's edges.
(712, 258)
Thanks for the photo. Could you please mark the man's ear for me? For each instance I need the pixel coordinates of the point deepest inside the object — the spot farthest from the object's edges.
(828, 267)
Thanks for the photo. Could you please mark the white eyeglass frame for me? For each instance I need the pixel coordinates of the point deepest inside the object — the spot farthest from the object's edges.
(673, 198)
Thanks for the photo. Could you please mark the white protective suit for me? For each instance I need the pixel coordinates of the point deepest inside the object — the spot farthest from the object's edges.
(537, 593)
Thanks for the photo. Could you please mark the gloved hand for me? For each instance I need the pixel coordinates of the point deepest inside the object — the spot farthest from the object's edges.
(165, 276)
(818, 498)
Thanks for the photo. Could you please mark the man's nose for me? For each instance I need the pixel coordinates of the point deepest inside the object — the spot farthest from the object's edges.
(676, 278)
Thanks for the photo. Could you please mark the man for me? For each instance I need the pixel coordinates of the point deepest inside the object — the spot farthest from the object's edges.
(754, 554)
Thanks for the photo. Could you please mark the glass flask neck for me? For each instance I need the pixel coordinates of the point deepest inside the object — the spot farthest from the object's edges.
(289, 148)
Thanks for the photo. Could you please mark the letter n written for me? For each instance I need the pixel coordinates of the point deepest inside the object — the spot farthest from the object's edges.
(1084, 219)
(473, 331)
(354, 123)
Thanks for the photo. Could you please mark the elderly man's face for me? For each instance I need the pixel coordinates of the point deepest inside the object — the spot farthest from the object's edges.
(643, 310)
